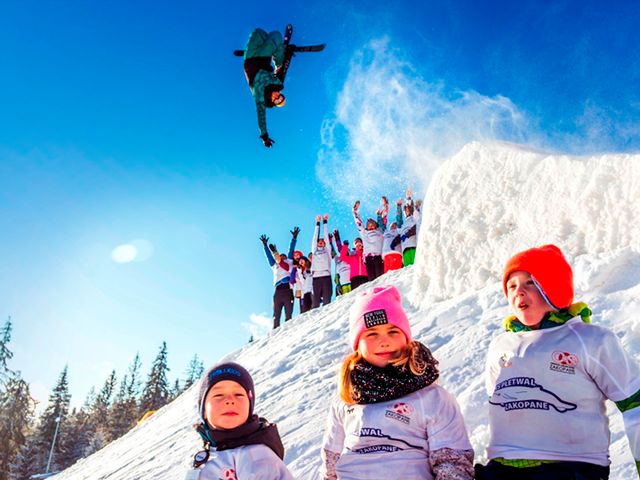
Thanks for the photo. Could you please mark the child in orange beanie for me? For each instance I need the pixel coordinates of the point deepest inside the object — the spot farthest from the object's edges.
(548, 377)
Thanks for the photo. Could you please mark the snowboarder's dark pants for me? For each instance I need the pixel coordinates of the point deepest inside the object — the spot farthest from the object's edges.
(357, 281)
(375, 266)
(550, 471)
(282, 298)
(306, 302)
(322, 287)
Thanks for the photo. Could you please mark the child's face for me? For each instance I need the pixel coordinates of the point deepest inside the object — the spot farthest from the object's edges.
(525, 299)
(226, 405)
(371, 225)
(382, 344)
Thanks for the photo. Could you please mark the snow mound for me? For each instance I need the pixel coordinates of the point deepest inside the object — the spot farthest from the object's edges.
(467, 235)
(492, 200)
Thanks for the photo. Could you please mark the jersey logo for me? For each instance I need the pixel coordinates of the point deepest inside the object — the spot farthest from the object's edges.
(505, 360)
(403, 409)
(400, 411)
(377, 317)
(564, 362)
(229, 474)
(523, 393)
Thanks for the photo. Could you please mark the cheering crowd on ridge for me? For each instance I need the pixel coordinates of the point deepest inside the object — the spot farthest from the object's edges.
(379, 247)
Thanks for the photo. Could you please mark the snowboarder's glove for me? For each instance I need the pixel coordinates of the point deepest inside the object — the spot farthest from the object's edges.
(295, 232)
(336, 234)
(264, 239)
(273, 248)
(268, 142)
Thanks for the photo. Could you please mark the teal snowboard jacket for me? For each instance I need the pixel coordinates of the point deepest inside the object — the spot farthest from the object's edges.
(260, 50)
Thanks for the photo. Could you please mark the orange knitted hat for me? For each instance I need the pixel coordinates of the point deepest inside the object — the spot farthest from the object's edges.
(550, 271)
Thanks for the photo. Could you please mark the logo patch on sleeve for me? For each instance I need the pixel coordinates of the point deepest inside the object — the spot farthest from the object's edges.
(377, 317)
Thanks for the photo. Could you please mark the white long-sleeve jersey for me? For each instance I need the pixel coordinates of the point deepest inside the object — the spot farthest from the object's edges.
(548, 390)
(408, 222)
(394, 439)
(304, 281)
(321, 263)
(343, 269)
(388, 237)
(372, 240)
(280, 275)
(249, 462)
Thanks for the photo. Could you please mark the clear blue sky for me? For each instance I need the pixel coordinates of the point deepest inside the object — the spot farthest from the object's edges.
(122, 121)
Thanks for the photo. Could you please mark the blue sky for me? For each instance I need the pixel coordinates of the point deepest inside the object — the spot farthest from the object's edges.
(132, 121)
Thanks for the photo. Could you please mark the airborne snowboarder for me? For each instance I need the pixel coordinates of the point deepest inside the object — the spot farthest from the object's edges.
(262, 52)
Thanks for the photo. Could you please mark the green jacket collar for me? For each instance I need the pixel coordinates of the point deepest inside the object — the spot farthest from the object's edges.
(551, 319)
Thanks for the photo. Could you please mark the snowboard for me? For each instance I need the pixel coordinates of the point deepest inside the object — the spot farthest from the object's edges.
(294, 48)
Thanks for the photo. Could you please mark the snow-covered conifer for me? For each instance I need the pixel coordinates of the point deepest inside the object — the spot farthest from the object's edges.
(156, 391)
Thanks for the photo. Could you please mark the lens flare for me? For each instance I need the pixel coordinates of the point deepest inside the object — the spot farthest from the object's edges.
(124, 253)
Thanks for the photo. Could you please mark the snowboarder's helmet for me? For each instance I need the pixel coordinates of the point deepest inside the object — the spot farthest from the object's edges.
(280, 100)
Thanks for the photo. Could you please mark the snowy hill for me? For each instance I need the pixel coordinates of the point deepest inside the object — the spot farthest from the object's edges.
(484, 204)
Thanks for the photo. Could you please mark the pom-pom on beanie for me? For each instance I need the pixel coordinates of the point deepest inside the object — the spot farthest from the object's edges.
(550, 271)
(226, 371)
(377, 306)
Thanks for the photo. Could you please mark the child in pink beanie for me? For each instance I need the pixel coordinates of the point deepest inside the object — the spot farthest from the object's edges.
(391, 420)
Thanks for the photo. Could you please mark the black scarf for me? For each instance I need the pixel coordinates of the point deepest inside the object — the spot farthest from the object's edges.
(255, 431)
(374, 384)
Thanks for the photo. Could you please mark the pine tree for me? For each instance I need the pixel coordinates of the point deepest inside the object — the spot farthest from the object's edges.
(31, 459)
(156, 391)
(16, 414)
(56, 411)
(175, 391)
(88, 427)
(101, 406)
(124, 411)
(133, 386)
(5, 353)
(16, 406)
(194, 372)
(79, 436)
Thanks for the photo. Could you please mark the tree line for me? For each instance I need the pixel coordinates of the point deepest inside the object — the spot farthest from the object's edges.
(26, 440)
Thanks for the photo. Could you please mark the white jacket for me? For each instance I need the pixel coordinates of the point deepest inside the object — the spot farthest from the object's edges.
(388, 237)
(279, 273)
(410, 221)
(548, 390)
(394, 439)
(307, 286)
(321, 262)
(371, 239)
(249, 462)
(304, 281)
(343, 269)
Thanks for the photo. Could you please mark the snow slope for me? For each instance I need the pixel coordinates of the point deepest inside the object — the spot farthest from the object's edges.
(484, 204)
